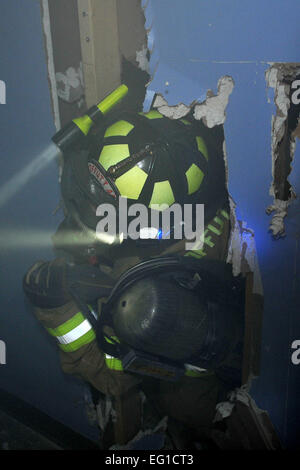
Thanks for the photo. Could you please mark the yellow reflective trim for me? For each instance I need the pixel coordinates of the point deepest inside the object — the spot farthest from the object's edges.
(185, 122)
(84, 123)
(214, 229)
(162, 194)
(219, 221)
(202, 147)
(67, 326)
(107, 338)
(78, 343)
(207, 241)
(119, 128)
(131, 183)
(194, 178)
(225, 214)
(112, 154)
(113, 98)
(199, 253)
(152, 114)
(113, 363)
(196, 253)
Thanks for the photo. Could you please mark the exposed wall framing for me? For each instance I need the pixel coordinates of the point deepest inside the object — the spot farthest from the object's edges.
(111, 31)
(283, 78)
(92, 47)
(50, 61)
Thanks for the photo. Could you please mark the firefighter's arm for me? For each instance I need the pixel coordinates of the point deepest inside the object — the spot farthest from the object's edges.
(45, 285)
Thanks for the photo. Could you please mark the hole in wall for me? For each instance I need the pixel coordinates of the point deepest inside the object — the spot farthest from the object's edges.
(284, 78)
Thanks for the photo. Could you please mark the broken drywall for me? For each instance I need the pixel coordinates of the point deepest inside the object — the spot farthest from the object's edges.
(159, 430)
(173, 112)
(50, 61)
(142, 59)
(243, 424)
(280, 77)
(70, 85)
(213, 110)
(241, 250)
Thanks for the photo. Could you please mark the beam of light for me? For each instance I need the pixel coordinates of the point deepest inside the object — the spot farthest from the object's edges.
(20, 238)
(11, 239)
(17, 182)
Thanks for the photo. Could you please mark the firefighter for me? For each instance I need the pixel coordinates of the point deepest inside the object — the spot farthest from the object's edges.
(149, 159)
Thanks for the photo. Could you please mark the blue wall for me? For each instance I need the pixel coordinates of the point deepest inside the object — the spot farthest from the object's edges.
(194, 44)
(32, 370)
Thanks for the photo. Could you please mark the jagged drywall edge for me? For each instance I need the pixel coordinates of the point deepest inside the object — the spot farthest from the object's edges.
(160, 428)
(274, 76)
(213, 110)
(177, 111)
(142, 59)
(242, 253)
(147, 58)
(242, 249)
(51, 70)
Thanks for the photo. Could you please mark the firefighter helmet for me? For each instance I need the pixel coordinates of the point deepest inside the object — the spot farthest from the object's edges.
(145, 158)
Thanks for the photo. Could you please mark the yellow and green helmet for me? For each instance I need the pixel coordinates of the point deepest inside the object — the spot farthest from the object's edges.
(144, 157)
(152, 160)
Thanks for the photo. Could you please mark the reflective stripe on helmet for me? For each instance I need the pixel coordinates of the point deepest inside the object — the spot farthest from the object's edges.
(185, 121)
(153, 114)
(202, 147)
(113, 154)
(162, 194)
(121, 128)
(74, 333)
(194, 178)
(132, 182)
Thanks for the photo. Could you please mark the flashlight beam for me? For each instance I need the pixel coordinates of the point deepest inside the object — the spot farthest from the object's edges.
(17, 182)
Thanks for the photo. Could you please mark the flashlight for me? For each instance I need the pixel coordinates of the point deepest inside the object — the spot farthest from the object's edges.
(73, 131)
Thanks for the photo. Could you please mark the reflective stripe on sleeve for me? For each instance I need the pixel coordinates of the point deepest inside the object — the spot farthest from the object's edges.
(74, 333)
